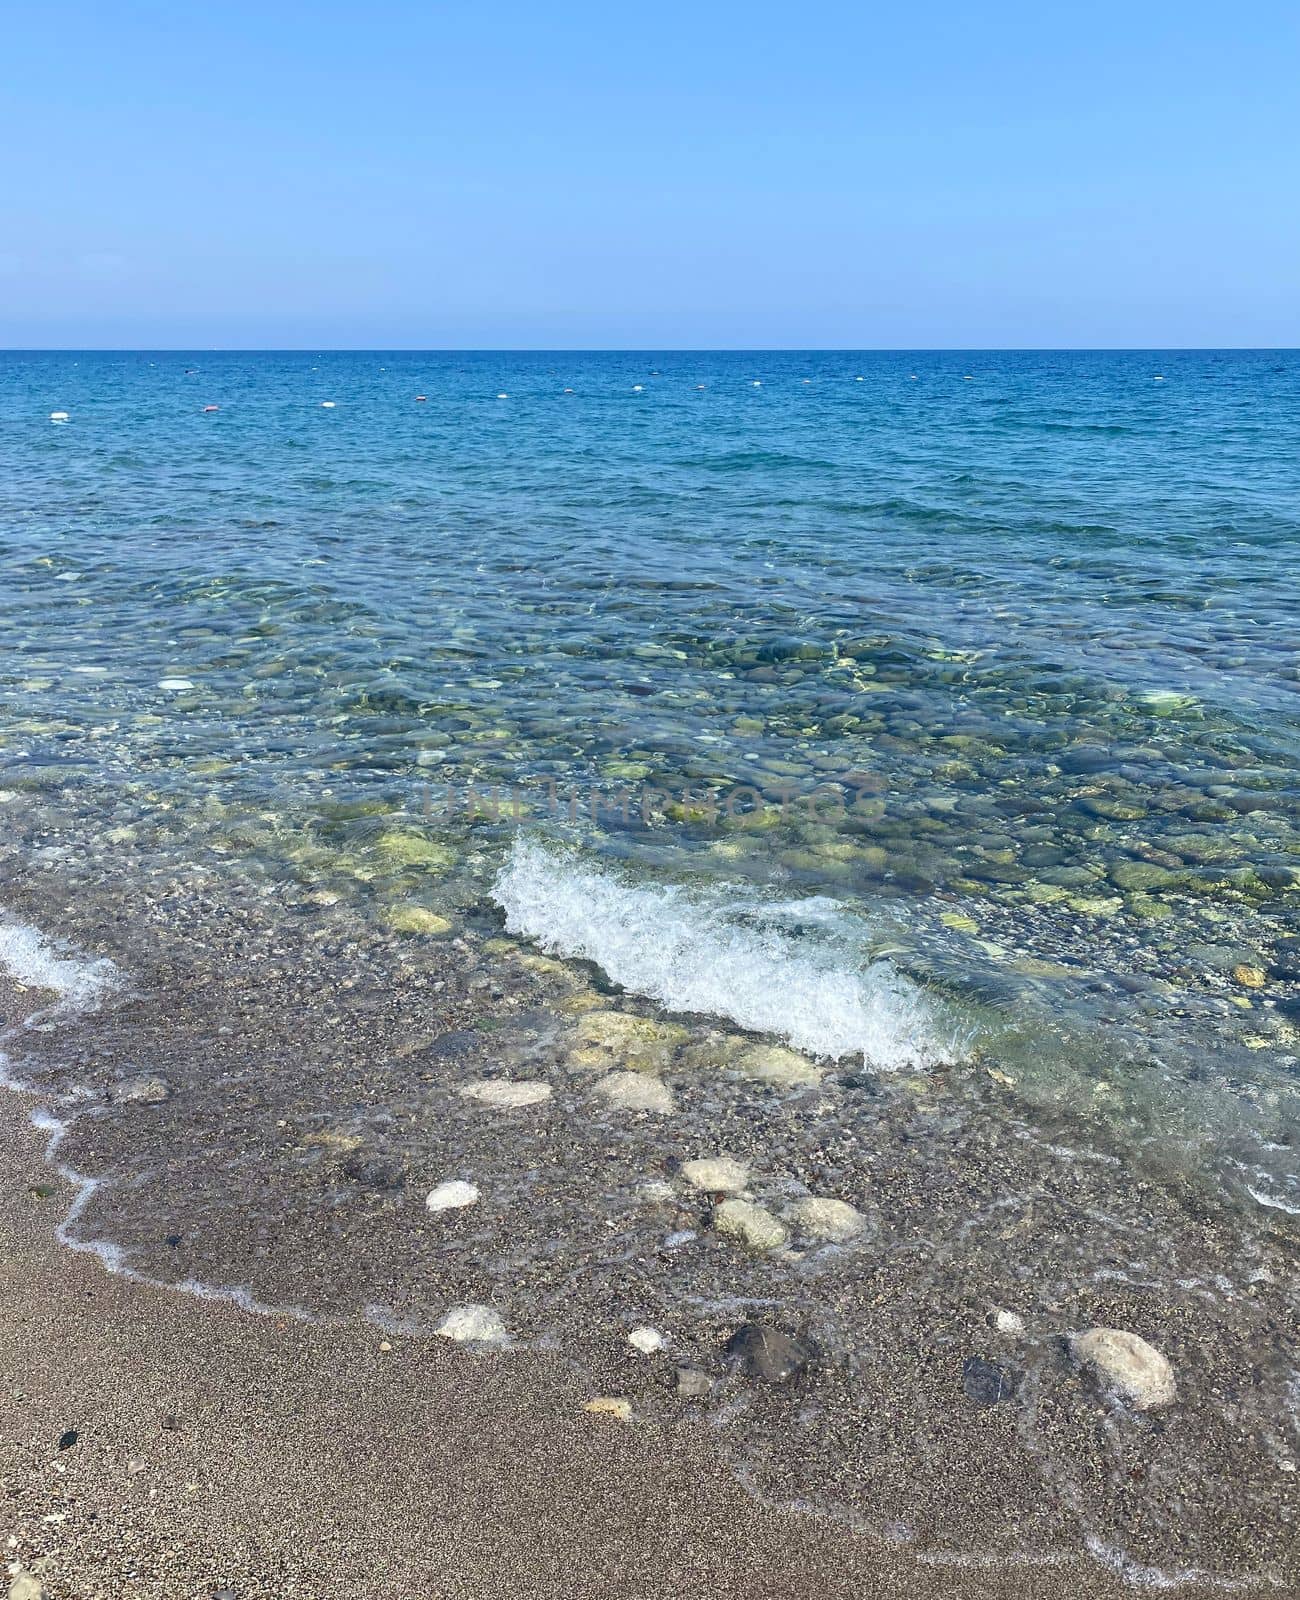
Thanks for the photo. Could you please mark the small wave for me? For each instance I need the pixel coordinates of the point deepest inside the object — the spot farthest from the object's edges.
(32, 958)
(801, 972)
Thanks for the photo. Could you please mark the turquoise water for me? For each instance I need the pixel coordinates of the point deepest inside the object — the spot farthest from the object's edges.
(935, 714)
(1006, 642)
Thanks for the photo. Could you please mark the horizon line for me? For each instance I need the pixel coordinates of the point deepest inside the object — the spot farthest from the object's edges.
(631, 349)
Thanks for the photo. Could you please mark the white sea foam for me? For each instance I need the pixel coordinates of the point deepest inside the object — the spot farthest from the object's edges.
(30, 957)
(798, 970)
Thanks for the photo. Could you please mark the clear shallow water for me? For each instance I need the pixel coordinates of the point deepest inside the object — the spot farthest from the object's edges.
(1041, 619)
(944, 727)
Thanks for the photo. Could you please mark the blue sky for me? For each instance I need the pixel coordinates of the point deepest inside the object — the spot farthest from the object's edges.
(656, 176)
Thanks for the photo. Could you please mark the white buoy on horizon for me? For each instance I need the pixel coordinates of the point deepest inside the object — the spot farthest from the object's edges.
(58, 416)
(637, 388)
(327, 405)
(503, 397)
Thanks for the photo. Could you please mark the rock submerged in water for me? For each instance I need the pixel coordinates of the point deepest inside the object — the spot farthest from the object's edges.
(147, 1091)
(471, 1324)
(1126, 1363)
(418, 919)
(507, 1093)
(752, 1225)
(767, 1354)
(453, 1195)
(833, 1221)
(692, 1384)
(773, 1064)
(621, 1039)
(987, 1383)
(636, 1091)
(716, 1174)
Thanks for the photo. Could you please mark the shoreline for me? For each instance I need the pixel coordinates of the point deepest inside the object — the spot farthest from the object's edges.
(218, 1449)
(221, 1451)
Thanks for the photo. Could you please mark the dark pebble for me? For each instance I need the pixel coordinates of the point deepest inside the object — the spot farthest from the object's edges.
(986, 1383)
(450, 1046)
(68, 1439)
(767, 1354)
(374, 1172)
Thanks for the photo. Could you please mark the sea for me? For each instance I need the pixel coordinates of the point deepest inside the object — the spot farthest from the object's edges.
(879, 769)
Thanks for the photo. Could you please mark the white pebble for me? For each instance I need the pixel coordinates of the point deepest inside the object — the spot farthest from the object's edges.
(832, 1220)
(716, 1172)
(750, 1224)
(646, 1340)
(175, 683)
(1009, 1322)
(1128, 1364)
(473, 1325)
(452, 1196)
(635, 1091)
(506, 1092)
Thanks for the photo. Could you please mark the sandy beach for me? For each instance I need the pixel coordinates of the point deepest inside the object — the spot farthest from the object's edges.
(223, 1453)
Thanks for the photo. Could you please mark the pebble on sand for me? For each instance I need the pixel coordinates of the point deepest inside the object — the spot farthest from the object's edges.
(750, 1224)
(175, 683)
(832, 1220)
(1128, 1364)
(634, 1091)
(25, 1585)
(508, 1093)
(646, 1340)
(622, 1039)
(1009, 1322)
(149, 1091)
(453, 1195)
(692, 1384)
(418, 919)
(606, 1405)
(720, 1173)
(473, 1325)
(775, 1065)
(767, 1353)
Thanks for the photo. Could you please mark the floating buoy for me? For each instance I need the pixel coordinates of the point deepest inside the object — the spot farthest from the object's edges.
(58, 416)
(757, 384)
(968, 378)
(327, 405)
(212, 408)
(503, 397)
(1159, 378)
(807, 380)
(911, 377)
(421, 397)
(859, 380)
(701, 386)
(637, 388)
(568, 391)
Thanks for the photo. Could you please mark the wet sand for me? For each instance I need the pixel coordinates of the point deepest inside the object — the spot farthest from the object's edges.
(221, 1450)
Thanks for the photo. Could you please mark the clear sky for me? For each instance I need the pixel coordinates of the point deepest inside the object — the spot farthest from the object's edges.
(225, 173)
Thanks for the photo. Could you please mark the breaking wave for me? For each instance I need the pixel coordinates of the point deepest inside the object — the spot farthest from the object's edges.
(800, 970)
